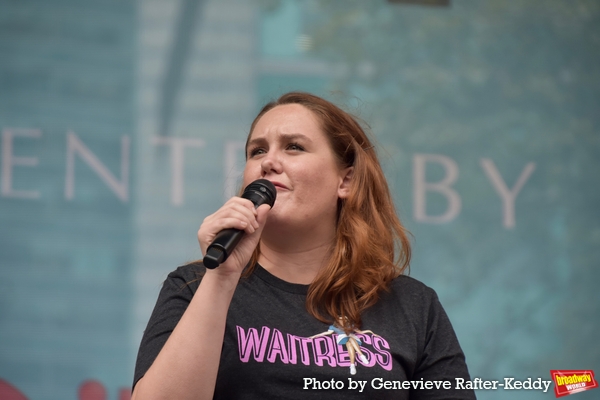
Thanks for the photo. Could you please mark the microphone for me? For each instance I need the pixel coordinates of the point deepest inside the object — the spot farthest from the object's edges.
(259, 192)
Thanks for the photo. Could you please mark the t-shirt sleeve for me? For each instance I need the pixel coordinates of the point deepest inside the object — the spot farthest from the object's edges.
(175, 296)
(442, 358)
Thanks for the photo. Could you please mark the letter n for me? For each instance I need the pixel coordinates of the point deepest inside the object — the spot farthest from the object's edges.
(120, 188)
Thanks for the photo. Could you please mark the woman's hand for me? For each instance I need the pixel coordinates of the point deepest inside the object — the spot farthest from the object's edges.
(237, 213)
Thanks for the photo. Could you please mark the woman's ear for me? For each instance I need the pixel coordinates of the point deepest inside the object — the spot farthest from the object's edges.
(345, 182)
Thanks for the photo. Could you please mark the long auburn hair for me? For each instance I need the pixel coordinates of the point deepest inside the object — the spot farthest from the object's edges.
(371, 245)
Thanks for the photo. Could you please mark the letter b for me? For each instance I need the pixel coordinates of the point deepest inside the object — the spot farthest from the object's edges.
(421, 187)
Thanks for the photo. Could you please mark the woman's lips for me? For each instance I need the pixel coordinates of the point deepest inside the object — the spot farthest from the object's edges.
(279, 185)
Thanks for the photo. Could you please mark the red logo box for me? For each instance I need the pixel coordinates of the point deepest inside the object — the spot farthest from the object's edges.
(569, 381)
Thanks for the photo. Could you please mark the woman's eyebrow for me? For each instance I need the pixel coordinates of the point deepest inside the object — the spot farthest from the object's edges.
(286, 137)
(294, 136)
(256, 142)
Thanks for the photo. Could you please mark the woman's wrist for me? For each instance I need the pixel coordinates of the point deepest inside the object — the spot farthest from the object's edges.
(222, 279)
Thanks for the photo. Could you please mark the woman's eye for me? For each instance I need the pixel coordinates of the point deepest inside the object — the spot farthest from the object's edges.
(257, 151)
(295, 146)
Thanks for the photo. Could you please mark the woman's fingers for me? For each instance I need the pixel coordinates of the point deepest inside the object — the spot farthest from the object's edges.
(235, 206)
(243, 251)
(236, 213)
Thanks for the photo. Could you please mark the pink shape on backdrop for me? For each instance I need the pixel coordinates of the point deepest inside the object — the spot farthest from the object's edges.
(92, 390)
(88, 390)
(9, 392)
(125, 394)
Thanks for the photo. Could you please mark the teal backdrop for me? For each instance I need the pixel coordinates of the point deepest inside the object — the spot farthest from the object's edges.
(122, 126)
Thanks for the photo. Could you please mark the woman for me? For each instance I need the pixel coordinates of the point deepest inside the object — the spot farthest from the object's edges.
(330, 252)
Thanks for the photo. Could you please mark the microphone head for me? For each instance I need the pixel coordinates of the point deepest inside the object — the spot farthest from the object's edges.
(259, 192)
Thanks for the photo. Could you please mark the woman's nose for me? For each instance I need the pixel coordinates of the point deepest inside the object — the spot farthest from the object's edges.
(271, 164)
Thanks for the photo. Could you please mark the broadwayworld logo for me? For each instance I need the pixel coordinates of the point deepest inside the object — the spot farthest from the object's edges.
(572, 381)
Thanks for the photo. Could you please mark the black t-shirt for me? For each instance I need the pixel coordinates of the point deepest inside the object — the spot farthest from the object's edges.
(267, 352)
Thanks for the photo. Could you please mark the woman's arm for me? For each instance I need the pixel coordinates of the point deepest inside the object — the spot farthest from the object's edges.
(187, 365)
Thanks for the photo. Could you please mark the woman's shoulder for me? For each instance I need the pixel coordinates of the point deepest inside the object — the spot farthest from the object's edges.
(188, 275)
(411, 292)
(194, 269)
(409, 284)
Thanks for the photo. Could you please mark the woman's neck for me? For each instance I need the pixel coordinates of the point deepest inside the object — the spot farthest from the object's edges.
(294, 261)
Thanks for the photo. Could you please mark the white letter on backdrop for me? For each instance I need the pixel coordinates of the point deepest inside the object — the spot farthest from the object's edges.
(74, 145)
(9, 160)
(507, 195)
(421, 187)
(178, 146)
(232, 172)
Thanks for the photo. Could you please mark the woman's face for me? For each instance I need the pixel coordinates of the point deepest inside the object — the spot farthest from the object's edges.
(289, 148)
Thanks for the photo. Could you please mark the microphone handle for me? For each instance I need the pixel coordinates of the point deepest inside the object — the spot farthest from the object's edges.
(219, 249)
